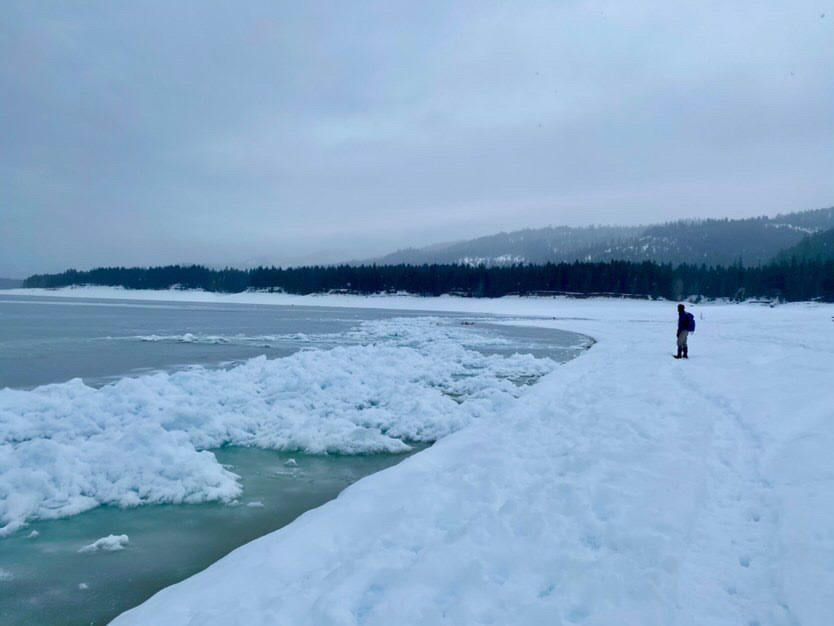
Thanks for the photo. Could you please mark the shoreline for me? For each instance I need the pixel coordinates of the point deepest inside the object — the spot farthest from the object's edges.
(505, 305)
(625, 483)
(665, 490)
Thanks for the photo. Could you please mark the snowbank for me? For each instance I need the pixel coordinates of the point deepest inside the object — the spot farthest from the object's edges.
(624, 488)
(68, 447)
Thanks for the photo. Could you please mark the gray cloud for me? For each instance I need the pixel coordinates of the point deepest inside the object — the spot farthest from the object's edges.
(137, 133)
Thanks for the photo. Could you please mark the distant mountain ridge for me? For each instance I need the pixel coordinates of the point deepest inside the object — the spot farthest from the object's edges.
(818, 246)
(751, 241)
(10, 283)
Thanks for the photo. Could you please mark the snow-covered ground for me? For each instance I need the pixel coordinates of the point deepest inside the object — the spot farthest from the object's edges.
(624, 488)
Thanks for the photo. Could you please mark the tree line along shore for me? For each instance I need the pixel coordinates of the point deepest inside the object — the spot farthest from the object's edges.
(786, 280)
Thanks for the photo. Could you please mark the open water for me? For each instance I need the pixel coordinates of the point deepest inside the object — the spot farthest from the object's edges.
(44, 579)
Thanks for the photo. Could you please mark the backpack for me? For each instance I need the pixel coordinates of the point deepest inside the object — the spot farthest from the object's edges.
(690, 322)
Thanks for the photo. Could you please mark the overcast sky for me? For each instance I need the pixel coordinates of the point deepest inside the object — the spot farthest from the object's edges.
(154, 131)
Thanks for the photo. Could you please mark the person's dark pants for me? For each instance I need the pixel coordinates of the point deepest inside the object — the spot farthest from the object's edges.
(683, 349)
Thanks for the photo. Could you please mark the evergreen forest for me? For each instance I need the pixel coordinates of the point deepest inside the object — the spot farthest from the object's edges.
(793, 279)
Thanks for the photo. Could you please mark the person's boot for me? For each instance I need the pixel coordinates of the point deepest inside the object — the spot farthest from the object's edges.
(680, 353)
(686, 352)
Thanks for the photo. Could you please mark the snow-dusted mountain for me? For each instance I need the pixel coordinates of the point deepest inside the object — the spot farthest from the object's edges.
(711, 241)
(816, 246)
(523, 246)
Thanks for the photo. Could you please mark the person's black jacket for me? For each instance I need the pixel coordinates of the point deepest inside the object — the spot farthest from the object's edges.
(683, 322)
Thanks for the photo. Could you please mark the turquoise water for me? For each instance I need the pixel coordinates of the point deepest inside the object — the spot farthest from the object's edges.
(51, 582)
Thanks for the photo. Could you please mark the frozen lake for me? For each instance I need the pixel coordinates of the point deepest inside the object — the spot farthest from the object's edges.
(52, 339)
(368, 387)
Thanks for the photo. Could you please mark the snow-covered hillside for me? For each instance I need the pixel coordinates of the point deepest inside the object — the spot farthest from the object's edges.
(710, 241)
(624, 488)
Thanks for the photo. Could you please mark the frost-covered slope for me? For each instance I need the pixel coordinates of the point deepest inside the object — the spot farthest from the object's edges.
(625, 488)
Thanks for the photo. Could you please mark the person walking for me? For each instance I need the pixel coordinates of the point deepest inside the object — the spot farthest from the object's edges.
(686, 324)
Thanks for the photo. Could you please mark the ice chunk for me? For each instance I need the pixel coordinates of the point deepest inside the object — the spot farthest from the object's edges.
(68, 448)
(110, 543)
